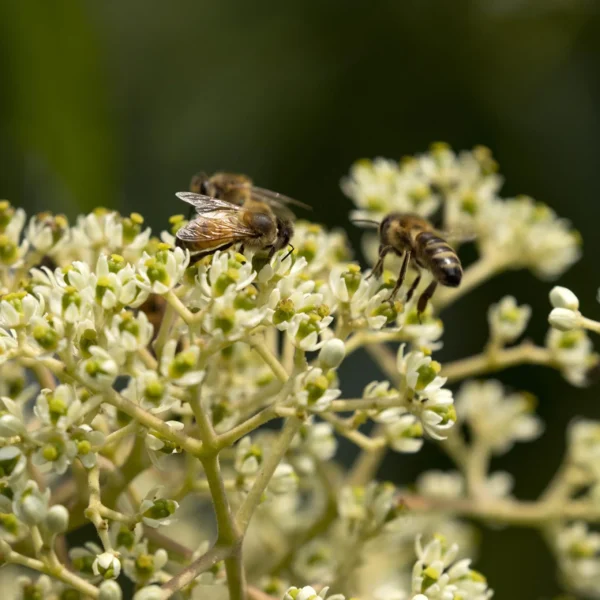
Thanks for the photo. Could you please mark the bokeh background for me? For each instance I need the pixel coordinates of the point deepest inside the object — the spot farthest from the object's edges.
(118, 103)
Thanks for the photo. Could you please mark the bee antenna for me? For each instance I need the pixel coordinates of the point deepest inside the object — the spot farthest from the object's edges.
(291, 250)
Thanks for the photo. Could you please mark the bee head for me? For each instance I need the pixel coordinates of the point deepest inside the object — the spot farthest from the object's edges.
(200, 184)
(285, 231)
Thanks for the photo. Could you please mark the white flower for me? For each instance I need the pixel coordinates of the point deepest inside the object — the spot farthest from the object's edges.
(55, 450)
(561, 297)
(162, 272)
(142, 566)
(30, 505)
(108, 565)
(572, 352)
(507, 320)
(311, 389)
(499, 419)
(564, 319)
(12, 463)
(437, 484)
(159, 448)
(155, 511)
(46, 232)
(405, 433)
(181, 368)
(18, 308)
(87, 441)
(129, 332)
(11, 419)
(584, 444)
(248, 457)
(150, 391)
(100, 370)
(227, 272)
(284, 480)
(436, 575)
(58, 408)
(436, 412)
(419, 373)
(308, 593)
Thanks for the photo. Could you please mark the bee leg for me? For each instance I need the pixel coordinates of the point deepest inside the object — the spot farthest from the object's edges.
(401, 277)
(425, 297)
(378, 268)
(413, 287)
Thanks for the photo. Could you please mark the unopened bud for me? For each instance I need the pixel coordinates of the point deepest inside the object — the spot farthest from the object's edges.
(561, 297)
(110, 590)
(332, 354)
(57, 519)
(151, 592)
(564, 319)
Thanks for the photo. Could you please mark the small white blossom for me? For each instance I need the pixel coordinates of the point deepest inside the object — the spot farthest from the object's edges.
(107, 565)
(499, 419)
(30, 505)
(157, 511)
(284, 480)
(159, 448)
(248, 457)
(312, 389)
(161, 273)
(58, 408)
(572, 351)
(507, 320)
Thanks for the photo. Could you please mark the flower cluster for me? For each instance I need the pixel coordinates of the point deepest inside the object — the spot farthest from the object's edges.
(137, 381)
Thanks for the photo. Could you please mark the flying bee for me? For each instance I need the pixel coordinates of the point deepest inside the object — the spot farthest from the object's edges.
(422, 247)
(231, 210)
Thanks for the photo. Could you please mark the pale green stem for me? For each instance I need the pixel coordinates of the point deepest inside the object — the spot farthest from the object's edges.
(365, 442)
(524, 353)
(200, 565)
(166, 324)
(254, 497)
(61, 574)
(278, 370)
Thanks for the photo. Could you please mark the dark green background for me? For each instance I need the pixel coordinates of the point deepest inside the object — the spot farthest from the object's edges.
(118, 103)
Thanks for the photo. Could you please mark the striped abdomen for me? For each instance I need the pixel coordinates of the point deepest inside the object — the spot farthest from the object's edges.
(437, 256)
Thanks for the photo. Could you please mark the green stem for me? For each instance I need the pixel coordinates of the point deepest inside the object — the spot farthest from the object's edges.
(254, 497)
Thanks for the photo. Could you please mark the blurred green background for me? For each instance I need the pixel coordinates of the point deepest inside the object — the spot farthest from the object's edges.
(118, 103)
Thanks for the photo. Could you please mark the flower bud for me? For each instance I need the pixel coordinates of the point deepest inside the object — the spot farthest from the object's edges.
(57, 519)
(563, 319)
(561, 297)
(332, 354)
(110, 590)
(150, 592)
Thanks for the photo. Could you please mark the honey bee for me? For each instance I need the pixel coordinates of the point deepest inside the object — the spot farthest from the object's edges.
(423, 247)
(231, 210)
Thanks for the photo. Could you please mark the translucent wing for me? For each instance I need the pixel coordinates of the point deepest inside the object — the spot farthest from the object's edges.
(365, 223)
(207, 204)
(456, 235)
(212, 230)
(275, 198)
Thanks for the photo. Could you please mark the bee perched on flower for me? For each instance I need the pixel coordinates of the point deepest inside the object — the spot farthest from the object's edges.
(190, 408)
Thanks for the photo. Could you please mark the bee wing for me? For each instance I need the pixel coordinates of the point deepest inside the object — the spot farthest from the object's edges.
(206, 204)
(456, 235)
(365, 223)
(212, 229)
(275, 198)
